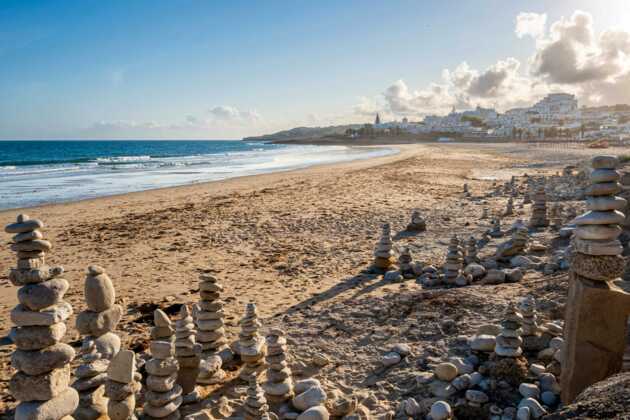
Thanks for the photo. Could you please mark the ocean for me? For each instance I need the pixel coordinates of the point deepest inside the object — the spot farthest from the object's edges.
(41, 172)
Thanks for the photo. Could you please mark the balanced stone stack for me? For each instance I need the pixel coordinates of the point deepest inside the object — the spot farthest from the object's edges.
(255, 406)
(471, 251)
(405, 263)
(251, 345)
(122, 386)
(556, 216)
(466, 192)
(188, 353)
(527, 308)
(164, 395)
(509, 340)
(454, 261)
(597, 311)
(509, 209)
(100, 343)
(495, 230)
(41, 383)
(210, 330)
(484, 213)
(91, 378)
(383, 254)
(539, 209)
(418, 223)
(279, 385)
(516, 245)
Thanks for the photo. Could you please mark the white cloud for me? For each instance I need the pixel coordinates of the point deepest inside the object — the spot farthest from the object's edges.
(228, 113)
(569, 57)
(530, 24)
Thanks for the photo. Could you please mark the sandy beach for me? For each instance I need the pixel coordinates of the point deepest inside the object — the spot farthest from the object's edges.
(297, 244)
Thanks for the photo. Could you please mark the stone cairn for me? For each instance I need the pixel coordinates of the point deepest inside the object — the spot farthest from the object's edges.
(484, 213)
(466, 192)
(122, 385)
(41, 383)
(556, 216)
(418, 223)
(279, 385)
(251, 344)
(471, 251)
(164, 395)
(509, 208)
(405, 263)
(454, 261)
(495, 230)
(516, 245)
(100, 343)
(384, 254)
(509, 339)
(255, 406)
(539, 209)
(531, 335)
(188, 353)
(210, 330)
(597, 311)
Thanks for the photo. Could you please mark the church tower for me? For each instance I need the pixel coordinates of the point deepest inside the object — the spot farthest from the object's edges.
(377, 120)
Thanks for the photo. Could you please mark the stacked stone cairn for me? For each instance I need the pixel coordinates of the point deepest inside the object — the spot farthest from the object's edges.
(383, 254)
(454, 262)
(484, 213)
(210, 330)
(556, 216)
(539, 209)
(279, 385)
(471, 251)
(466, 192)
(516, 245)
(509, 340)
(100, 343)
(122, 385)
(251, 345)
(164, 395)
(255, 407)
(405, 263)
(188, 354)
(509, 208)
(596, 320)
(41, 383)
(418, 224)
(495, 230)
(532, 338)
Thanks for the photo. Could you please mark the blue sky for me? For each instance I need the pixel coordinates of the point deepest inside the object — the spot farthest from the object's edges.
(225, 69)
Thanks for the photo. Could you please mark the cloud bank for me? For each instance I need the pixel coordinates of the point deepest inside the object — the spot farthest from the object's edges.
(568, 56)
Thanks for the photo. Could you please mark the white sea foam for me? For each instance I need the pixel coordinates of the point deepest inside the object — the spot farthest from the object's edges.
(25, 186)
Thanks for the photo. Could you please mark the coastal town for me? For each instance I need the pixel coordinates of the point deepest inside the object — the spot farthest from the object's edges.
(556, 116)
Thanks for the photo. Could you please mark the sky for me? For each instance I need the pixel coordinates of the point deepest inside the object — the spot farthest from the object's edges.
(153, 69)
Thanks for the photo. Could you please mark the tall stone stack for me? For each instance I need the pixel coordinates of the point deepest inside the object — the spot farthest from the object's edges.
(539, 209)
(100, 343)
(164, 395)
(188, 353)
(251, 345)
(509, 340)
(509, 208)
(122, 386)
(454, 261)
(42, 381)
(597, 309)
(516, 245)
(255, 407)
(527, 308)
(383, 254)
(279, 385)
(471, 251)
(210, 330)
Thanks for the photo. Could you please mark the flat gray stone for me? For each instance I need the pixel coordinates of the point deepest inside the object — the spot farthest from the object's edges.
(37, 337)
(42, 295)
(600, 218)
(99, 323)
(598, 232)
(606, 203)
(62, 405)
(38, 362)
(24, 226)
(24, 317)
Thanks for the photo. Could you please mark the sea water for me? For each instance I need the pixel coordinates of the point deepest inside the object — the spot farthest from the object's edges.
(40, 172)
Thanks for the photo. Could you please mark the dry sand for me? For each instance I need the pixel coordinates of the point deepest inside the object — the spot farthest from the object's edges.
(296, 243)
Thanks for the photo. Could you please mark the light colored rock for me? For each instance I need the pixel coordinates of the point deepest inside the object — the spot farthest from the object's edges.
(441, 410)
(310, 398)
(38, 362)
(305, 384)
(390, 359)
(62, 405)
(43, 295)
(25, 387)
(446, 371)
(37, 337)
(483, 342)
(99, 290)
(108, 345)
(122, 367)
(529, 390)
(535, 409)
(318, 412)
(523, 413)
(24, 317)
